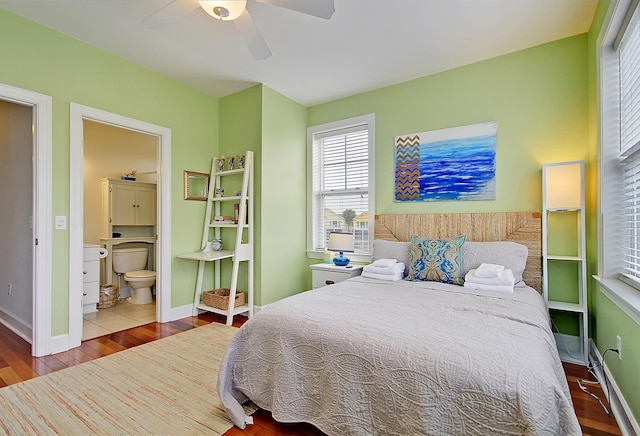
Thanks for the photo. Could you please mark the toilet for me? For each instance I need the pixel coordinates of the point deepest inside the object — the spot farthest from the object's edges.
(131, 262)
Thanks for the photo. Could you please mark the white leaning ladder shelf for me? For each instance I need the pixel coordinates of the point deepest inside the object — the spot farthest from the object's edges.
(242, 250)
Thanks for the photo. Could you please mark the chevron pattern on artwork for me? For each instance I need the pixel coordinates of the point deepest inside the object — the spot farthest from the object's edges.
(407, 174)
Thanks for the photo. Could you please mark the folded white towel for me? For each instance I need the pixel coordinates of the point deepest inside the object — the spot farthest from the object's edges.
(505, 278)
(390, 277)
(397, 268)
(483, 287)
(383, 263)
(489, 270)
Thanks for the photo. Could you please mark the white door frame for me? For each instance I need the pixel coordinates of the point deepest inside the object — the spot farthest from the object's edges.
(76, 211)
(42, 222)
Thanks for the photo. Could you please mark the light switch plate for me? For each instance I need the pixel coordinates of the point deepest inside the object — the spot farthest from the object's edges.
(61, 222)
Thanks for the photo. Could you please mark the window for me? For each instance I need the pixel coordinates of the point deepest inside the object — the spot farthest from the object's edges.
(619, 196)
(629, 61)
(621, 145)
(340, 182)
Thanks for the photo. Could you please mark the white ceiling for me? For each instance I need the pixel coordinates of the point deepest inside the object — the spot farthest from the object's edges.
(367, 44)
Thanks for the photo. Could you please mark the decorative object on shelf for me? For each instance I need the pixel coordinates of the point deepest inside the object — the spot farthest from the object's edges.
(130, 176)
(231, 162)
(196, 186)
(241, 161)
(219, 298)
(219, 192)
(340, 242)
(216, 244)
(220, 163)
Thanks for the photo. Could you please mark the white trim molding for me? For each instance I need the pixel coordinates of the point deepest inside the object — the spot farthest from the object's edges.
(163, 248)
(622, 295)
(42, 211)
(370, 121)
(619, 406)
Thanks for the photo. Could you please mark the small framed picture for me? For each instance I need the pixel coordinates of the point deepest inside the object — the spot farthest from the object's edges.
(196, 186)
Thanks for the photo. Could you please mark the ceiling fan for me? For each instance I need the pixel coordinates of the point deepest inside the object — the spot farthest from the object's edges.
(236, 11)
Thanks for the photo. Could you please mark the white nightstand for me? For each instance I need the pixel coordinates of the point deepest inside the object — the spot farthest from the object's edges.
(327, 274)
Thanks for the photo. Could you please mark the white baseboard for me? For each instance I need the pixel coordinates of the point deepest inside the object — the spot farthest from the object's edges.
(59, 343)
(16, 325)
(186, 311)
(619, 406)
(181, 312)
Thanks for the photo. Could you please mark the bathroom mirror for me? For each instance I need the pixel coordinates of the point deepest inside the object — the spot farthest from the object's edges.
(196, 186)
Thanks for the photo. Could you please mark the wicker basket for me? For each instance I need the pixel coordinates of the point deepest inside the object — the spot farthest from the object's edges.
(108, 296)
(219, 298)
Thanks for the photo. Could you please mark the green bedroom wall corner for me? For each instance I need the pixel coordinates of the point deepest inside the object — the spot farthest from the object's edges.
(274, 127)
(240, 131)
(285, 270)
(42, 60)
(538, 97)
(592, 162)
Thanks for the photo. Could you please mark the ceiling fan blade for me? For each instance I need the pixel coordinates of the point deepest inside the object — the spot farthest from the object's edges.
(165, 17)
(317, 8)
(254, 40)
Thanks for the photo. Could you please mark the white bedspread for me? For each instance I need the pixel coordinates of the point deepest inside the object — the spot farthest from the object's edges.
(366, 357)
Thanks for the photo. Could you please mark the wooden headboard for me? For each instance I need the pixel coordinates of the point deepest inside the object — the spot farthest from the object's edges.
(522, 227)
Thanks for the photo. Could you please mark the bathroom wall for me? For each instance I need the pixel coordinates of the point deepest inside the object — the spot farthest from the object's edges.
(16, 229)
(111, 152)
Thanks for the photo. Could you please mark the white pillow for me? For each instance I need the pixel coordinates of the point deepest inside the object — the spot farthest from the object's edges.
(510, 254)
(400, 251)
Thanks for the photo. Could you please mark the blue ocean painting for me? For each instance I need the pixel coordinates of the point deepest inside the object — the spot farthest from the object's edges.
(459, 168)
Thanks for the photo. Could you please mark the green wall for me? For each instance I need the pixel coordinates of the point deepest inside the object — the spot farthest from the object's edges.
(45, 61)
(274, 127)
(240, 131)
(285, 270)
(537, 96)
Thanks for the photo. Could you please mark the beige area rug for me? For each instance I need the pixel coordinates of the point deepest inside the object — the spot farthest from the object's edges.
(166, 387)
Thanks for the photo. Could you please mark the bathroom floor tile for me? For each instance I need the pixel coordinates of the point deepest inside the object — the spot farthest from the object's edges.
(90, 331)
(123, 315)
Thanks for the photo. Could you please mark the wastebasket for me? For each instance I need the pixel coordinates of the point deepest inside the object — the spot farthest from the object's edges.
(108, 296)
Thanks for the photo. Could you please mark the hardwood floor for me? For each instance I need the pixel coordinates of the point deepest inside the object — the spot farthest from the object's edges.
(17, 364)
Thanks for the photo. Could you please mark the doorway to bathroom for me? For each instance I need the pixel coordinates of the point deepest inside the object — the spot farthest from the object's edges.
(120, 169)
(103, 148)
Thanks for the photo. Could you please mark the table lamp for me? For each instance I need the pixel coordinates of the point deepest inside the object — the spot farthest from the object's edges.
(340, 242)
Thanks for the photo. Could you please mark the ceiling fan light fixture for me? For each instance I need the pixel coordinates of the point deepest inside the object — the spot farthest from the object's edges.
(225, 10)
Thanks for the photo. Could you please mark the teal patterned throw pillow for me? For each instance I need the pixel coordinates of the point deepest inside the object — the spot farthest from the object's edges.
(436, 260)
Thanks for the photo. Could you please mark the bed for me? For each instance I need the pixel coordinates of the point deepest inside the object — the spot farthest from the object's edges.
(369, 356)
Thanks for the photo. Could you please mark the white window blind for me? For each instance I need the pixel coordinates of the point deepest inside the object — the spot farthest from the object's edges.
(629, 67)
(340, 191)
(629, 52)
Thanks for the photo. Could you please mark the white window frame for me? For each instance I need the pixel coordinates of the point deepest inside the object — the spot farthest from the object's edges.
(610, 264)
(369, 120)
